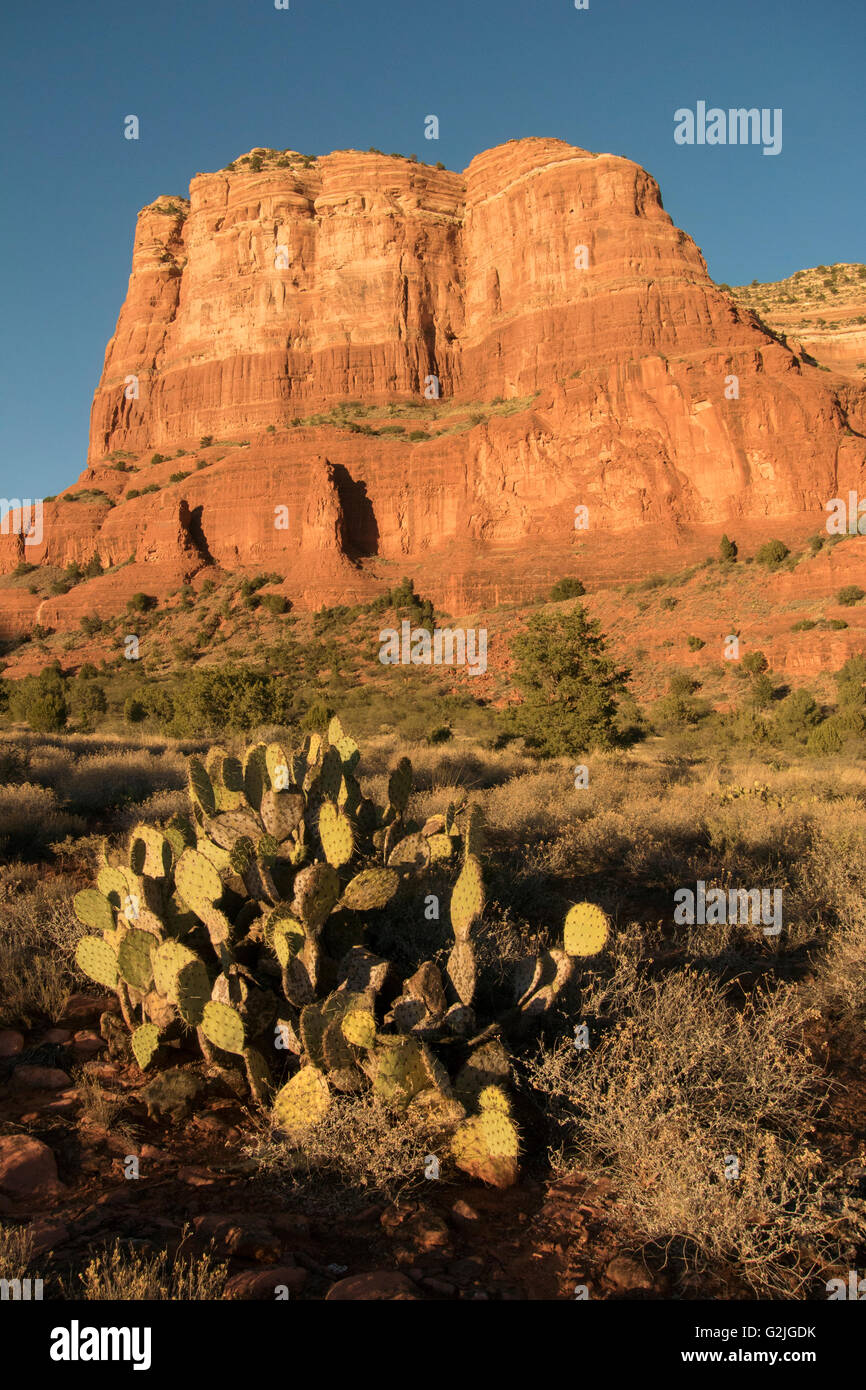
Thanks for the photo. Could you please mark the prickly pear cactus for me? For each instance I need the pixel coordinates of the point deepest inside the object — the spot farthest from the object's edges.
(247, 929)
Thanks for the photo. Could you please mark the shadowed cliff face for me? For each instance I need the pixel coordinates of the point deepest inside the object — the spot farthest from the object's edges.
(545, 289)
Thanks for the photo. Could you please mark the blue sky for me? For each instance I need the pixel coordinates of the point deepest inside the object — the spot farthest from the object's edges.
(213, 79)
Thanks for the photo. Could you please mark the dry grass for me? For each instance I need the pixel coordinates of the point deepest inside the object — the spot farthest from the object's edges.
(16, 1253)
(120, 1272)
(30, 818)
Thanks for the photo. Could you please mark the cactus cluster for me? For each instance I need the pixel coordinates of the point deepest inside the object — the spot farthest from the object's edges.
(243, 926)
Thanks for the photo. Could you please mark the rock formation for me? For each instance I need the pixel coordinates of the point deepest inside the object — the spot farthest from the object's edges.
(584, 358)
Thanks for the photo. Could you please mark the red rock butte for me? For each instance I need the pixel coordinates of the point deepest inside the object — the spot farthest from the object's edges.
(597, 378)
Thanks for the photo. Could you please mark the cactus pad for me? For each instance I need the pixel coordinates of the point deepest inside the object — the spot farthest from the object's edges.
(223, 1026)
(467, 899)
(282, 812)
(412, 852)
(359, 1027)
(317, 890)
(586, 930)
(336, 834)
(201, 788)
(370, 889)
(400, 786)
(197, 881)
(301, 1103)
(93, 910)
(487, 1147)
(150, 852)
(133, 958)
(95, 957)
(463, 971)
(112, 885)
(145, 1044)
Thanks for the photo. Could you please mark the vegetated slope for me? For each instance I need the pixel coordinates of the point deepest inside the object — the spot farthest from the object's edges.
(821, 311)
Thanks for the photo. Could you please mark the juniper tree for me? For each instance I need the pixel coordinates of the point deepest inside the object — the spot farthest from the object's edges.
(568, 682)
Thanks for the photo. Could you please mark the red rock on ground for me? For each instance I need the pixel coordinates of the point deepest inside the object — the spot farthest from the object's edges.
(27, 1167)
(381, 1284)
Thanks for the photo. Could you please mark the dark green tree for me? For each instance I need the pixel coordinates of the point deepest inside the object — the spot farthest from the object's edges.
(727, 550)
(569, 685)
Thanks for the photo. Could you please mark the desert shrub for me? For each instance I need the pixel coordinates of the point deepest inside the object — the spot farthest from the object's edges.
(762, 691)
(754, 663)
(229, 698)
(850, 594)
(727, 550)
(679, 707)
(772, 553)
(567, 588)
(722, 1081)
(178, 477)
(825, 739)
(275, 603)
(88, 702)
(134, 710)
(37, 945)
(158, 458)
(141, 603)
(90, 624)
(568, 682)
(361, 1148)
(851, 682)
(40, 701)
(316, 715)
(695, 643)
(797, 715)
(206, 441)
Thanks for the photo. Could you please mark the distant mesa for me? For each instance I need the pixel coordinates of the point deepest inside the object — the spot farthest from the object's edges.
(356, 366)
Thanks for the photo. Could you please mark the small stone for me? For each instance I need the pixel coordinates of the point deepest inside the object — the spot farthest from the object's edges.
(439, 1286)
(82, 1010)
(11, 1043)
(290, 1223)
(41, 1078)
(380, 1284)
(429, 1232)
(628, 1274)
(27, 1167)
(86, 1045)
(57, 1035)
(266, 1283)
(195, 1177)
(463, 1212)
(249, 1240)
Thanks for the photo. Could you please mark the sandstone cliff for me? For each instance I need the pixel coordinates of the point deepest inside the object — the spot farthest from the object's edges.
(291, 312)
